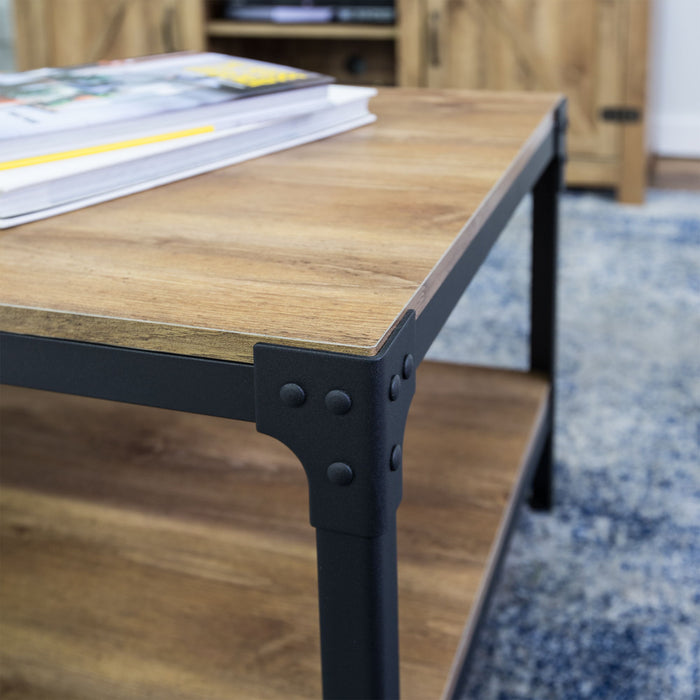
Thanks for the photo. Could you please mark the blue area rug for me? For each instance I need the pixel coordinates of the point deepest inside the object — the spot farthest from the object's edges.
(601, 597)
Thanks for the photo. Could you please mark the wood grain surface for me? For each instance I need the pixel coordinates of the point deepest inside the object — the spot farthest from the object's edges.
(594, 51)
(325, 245)
(634, 163)
(155, 554)
(73, 32)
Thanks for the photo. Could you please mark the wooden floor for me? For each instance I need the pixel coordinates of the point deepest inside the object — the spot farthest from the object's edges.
(155, 554)
(675, 173)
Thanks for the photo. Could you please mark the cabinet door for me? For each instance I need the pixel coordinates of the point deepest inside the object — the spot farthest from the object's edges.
(68, 32)
(571, 46)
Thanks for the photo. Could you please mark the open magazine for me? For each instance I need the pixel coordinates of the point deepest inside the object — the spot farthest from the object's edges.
(130, 143)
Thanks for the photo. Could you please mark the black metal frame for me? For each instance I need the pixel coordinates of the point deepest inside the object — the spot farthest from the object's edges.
(342, 415)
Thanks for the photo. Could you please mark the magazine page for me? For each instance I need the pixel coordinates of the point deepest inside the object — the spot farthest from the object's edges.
(56, 99)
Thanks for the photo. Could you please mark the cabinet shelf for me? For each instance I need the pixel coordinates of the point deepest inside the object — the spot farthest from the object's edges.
(174, 550)
(270, 30)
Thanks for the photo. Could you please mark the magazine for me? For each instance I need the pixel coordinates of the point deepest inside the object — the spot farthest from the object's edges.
(48, 187)
(64, 108)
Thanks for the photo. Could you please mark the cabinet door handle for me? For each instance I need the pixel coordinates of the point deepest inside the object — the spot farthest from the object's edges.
(434, 39)
(168, 30)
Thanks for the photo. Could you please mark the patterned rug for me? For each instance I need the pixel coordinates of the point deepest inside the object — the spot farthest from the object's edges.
(601, 597)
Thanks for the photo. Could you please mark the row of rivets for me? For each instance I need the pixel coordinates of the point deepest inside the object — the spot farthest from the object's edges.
(407, 372)
(337, 401)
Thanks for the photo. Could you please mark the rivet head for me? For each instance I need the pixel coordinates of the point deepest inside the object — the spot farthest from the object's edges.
(292, 395)
(395, 387)
(409, 366)
(339, 473)
(396, 458)
(338, 402)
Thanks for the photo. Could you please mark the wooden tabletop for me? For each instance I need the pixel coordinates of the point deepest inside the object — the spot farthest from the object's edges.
(325, 245)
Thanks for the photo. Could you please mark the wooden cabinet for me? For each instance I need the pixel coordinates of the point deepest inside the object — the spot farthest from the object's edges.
(361, 54)
(593, 50)
(69, 32)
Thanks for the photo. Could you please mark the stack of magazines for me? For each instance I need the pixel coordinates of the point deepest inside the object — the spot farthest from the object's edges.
(77, 136)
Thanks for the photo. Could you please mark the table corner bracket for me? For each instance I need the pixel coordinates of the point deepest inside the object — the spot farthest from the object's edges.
(343, 416)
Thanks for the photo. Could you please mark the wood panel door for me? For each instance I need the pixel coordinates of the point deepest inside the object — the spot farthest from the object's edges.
(70, 32)
(579, 47)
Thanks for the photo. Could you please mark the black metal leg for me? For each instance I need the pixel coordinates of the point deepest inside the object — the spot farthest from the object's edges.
(344, 417)
(544, 267)
(541, 493)
(358, 604)
(545, 225)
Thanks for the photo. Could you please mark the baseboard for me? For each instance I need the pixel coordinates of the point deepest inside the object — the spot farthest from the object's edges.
(674, 173)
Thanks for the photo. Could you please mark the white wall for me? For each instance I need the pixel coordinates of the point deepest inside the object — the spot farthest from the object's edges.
(674, 80)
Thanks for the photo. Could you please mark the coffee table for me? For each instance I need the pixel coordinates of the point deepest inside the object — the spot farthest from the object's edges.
(300, 292)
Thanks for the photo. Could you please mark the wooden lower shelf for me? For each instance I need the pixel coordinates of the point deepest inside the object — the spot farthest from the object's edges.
(154, 554)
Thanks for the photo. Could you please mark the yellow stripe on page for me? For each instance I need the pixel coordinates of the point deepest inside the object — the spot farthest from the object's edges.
(104, 148)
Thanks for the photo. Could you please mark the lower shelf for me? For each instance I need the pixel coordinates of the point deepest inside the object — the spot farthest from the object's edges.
(154, 554)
